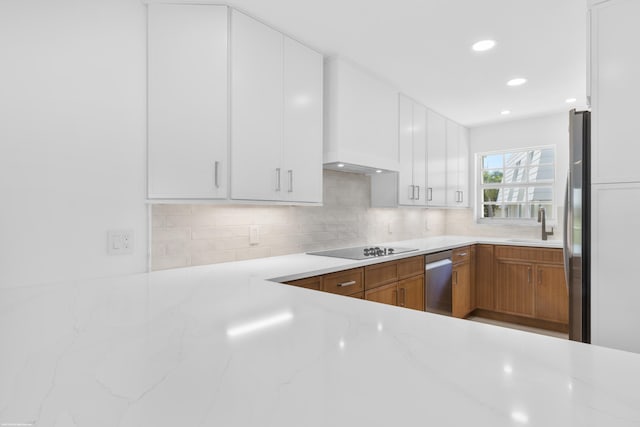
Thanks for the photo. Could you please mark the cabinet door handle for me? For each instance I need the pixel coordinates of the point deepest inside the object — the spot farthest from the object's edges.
(277, 179)
(345, 284)
(539, 276)
(529, 275)
(395, 297)
(455, 275)
(216, 167)
(418, 198)
(412, 191)
(290, 172)
(461, 196)
(429, 194)
(402, 296)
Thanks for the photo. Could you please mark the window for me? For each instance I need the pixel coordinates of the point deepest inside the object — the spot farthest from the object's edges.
(515, 184)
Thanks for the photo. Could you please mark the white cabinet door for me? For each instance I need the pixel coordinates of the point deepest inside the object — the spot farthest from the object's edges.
(463, 166)
(302, 164)
(406, 189)
(453, 164)
(615, 67)
(420, 153)
(457, 165)
(436, 159)
(615, 232)
(256, 110)
(187, 101)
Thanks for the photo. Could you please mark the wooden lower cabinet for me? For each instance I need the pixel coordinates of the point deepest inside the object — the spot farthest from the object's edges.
(387, 294)
(461, 282)
(461, 290)
(551, 294)
(514, 287)
(398, 282)
(484, 279)
(314, 283)
(411, 293)
(408, 293)
(530, 282)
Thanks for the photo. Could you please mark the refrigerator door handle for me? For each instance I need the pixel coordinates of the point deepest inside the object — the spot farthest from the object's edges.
(566, 255)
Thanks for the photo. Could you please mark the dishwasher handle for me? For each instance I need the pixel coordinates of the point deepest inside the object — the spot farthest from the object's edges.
(437, 264)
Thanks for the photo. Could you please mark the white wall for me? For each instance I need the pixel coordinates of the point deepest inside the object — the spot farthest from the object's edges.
(536, 131)
(72, 135)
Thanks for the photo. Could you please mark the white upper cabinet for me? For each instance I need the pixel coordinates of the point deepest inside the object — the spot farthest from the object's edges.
(412, 152)
(187, 101)
(457, 165)
(361, 118)
(302, 161)
(256, 110)
(436, 159)
(420, 154)
(406, 189)
(615, 67)
(276, 115)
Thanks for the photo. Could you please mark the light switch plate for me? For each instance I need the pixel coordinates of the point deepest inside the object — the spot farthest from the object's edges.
(120, 242)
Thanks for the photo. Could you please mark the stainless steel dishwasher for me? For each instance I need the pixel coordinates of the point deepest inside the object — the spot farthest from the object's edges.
(438, 296)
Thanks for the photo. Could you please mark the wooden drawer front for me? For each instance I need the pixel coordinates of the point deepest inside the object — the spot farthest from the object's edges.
(461, 255)
(524, 253)
(410, 267)
(380, 274)
(314, 283)
(344, 282)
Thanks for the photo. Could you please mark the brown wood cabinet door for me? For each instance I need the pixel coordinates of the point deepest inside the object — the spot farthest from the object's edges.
(411, 293)
(314, 283)
(551, 296)
(387, 294)
(485, 282)
(461, 289)
(514, 288)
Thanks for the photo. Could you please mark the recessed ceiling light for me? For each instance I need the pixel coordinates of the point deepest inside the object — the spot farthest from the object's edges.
(378, 171)
(570, 100)
(340, 165)
(483, 45)
(516, 82)
(505, 112)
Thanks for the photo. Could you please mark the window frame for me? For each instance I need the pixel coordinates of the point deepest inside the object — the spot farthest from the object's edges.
(480, 186)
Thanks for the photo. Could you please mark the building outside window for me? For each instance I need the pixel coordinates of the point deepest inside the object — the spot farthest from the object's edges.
(514, 184)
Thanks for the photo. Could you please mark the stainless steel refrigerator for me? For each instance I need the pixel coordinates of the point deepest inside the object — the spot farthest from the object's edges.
(577, 225)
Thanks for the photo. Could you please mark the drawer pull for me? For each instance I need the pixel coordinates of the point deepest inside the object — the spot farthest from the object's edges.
(345, 284)
(463, 254)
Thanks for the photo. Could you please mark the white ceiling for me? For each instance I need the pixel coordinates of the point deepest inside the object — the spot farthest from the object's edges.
(423, 47)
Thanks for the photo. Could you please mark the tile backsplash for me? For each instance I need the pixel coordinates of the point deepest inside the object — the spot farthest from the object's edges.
(187, 235)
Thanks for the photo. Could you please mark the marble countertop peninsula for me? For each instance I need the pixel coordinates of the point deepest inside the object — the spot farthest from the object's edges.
(222, 345)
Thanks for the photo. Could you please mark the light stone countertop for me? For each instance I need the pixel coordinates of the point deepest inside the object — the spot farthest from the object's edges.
(219, 345)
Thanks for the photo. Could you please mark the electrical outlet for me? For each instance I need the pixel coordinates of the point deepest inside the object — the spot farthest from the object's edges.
(389, 228)
(120, 242)
(254, 235)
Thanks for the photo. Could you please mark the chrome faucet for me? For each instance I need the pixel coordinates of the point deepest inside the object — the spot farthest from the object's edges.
(542, 218)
